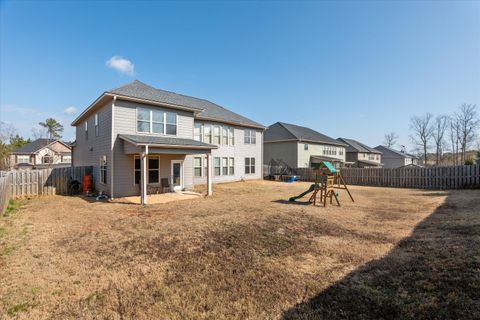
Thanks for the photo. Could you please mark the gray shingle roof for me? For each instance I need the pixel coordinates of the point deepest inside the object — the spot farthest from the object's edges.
(166, 141)
(34, 146)
(355, 146)
(285, 131)
(207, 110)
(394, 152)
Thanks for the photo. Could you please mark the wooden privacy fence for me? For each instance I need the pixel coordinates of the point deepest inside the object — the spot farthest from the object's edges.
(25, 183)
(454, 177)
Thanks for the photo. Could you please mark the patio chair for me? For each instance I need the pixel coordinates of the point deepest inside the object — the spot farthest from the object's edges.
(165, 185)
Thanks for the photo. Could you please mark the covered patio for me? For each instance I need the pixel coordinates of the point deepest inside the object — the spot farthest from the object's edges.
(163, 160)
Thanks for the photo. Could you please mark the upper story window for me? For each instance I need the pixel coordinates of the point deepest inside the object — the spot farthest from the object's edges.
(250, 137)
(215, 134)
(23, 159)
(330, 150)
(86, 130)
(198, 132)
(96, 125)
(156, 121)
(305, 146)
(340, 151)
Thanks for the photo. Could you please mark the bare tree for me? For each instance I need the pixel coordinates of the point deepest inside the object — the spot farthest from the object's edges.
(454, 138)
(390, 139)
(438, 134)
(39, 133)
(468, 122)
(422, 130)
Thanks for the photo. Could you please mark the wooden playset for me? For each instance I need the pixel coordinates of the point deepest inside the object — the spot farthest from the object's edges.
(327, 180)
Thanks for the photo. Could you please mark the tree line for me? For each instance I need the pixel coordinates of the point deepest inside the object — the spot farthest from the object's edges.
(436, 135)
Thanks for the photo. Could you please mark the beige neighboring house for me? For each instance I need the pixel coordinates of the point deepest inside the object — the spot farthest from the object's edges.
(360, 155)
(41, 153)
(301, 147)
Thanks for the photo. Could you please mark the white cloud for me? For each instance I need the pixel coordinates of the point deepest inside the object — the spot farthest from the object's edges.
(70, 110)
(122, 65)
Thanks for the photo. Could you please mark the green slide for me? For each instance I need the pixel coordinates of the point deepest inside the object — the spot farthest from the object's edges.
(311, 189)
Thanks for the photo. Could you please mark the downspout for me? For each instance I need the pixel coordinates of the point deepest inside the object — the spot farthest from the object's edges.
(112, 149)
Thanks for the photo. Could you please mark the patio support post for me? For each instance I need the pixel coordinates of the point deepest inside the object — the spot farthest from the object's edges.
(209, 174)
(143, 176)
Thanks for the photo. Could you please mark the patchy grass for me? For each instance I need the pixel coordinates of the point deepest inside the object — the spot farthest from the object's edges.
(246, 253)
(13, 207)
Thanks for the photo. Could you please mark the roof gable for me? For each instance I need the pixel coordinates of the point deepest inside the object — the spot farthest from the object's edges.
(286, 131)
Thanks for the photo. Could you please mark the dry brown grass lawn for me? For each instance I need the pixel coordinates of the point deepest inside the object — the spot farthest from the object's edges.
(245, 254)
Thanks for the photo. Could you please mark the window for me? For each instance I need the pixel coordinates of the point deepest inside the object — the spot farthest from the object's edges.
(341, 151)
(137, 170)
(153, 169)
(156, 121)
(225, 166)
(23, 159)
(231, 136)
(197, 132)
(197, 166)
(225, 135)
(216, 166)
(171, 127)
(232, 166)
(249, 165)
(143, 120)
(86, 130)
(250, 136)
(47, 159)
(330, 150)
(67, 159)
(216, 135)
(305, 146)
(207, 136)
(103, 169)
(96, 125)
(157, 125)
(205, 168)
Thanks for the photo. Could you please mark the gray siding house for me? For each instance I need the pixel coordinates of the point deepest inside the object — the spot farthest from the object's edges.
(136, 135)
(301, 147)
(395, 159)
(359, 155)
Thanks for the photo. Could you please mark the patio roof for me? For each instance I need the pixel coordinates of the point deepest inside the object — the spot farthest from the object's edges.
(166, 142)
(370, 163)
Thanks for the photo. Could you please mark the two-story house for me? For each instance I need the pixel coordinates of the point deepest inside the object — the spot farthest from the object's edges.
(301, 147)
(137, 136)
(392, 158)
(360, 155)
(41, 153)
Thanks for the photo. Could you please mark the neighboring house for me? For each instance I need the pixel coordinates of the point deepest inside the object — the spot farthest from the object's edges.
(360, 155)
(394, 159)
(41, 153)
(301, 147)
(138, 131)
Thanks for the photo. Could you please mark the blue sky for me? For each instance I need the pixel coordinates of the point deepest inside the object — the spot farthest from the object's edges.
(350, 69)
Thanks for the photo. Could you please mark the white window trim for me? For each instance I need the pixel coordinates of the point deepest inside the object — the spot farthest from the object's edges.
(250, 166)
(201, 167)
(150, 121)
(148, 156)
(97, 128)
(101, 170)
